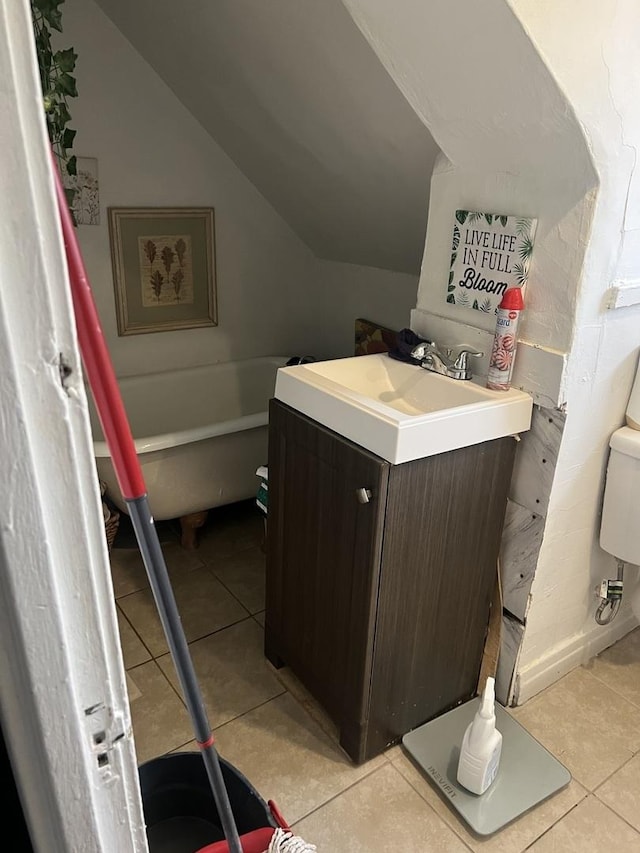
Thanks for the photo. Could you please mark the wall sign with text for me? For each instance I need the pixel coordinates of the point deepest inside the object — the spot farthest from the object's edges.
(490, 252)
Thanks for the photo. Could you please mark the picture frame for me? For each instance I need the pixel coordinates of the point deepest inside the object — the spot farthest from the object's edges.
(490, 253)
(164, 268)
(86, 194)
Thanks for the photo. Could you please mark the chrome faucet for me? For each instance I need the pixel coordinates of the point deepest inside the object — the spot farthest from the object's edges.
(431, 358)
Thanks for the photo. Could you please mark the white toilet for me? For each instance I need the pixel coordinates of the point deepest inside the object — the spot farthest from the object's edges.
(620, 526)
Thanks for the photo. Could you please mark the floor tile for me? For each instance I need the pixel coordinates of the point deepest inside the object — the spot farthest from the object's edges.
(380, 813)
(619, 667)
(308, 702)
(287, 745)
(231, 529)
(243, 574)
(203, 603)
(129, 574)
(127, 571)
(232, 671)
(159, 717)
(288, 758)
(133, 691)
(134, 651)
(588, 727)
(515, 837)
(621, 792)
(589, 828)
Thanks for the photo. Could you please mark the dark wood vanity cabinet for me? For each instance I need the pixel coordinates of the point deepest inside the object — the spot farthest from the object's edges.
(380, 576)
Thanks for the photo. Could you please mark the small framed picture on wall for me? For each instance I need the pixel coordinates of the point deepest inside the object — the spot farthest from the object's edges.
(490, 252)
(164, 268)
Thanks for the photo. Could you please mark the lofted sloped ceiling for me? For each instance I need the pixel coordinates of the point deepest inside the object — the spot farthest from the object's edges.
(297, 98)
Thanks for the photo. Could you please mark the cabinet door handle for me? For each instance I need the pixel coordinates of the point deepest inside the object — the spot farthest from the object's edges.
(363, 495)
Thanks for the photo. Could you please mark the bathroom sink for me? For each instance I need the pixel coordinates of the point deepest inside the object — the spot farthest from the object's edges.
(400, 411)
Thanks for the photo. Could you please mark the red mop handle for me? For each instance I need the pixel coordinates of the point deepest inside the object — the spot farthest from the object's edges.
(97, 362)
(115, 426)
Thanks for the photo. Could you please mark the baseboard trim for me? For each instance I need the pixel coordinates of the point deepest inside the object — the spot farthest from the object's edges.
(576, 651)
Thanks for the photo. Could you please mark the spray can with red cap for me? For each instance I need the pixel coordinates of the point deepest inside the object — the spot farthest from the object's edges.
(503, 352)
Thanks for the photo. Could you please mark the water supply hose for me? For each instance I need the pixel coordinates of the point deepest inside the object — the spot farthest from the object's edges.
(608, 607)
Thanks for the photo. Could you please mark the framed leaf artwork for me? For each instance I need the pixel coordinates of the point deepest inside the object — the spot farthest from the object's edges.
(490, 252)
(163, 268)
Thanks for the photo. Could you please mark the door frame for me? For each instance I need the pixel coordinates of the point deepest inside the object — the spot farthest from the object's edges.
(63, 701)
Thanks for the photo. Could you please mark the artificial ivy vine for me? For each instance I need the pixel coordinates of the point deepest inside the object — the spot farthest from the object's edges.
(57, 81)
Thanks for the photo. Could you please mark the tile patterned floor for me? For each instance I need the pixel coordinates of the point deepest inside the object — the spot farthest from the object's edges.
(273, 731)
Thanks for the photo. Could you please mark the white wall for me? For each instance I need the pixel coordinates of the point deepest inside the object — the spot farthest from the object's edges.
(296, 97)
(596, 59)
(274, 295)
(510, 142)
(152, 152)
(536, 117)
(350, 292)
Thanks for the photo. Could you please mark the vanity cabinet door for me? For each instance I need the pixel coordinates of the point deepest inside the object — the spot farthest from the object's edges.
(326, 504)
(443, 529)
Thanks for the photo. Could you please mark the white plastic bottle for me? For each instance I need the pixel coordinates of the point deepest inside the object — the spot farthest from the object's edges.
(481, 746)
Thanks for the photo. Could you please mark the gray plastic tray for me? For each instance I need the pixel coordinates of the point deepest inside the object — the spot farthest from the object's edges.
(528, 773)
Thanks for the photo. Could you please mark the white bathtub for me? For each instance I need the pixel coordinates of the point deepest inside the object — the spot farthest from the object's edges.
(200, 434)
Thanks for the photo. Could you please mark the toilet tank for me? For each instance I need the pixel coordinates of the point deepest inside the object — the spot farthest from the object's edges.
(620, 526)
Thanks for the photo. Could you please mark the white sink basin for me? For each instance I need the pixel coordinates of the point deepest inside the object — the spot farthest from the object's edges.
(400, 411)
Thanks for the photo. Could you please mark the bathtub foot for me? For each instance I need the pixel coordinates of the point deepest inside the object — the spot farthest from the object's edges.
(189, 524)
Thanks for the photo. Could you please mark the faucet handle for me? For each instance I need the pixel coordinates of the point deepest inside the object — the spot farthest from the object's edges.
(422, 349)
(462, 359)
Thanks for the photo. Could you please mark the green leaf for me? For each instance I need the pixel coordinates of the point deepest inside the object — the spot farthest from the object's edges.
(57, 126)
(63, 113)
(526, 249)
(450, 276)
(521, 273)
(486, 305)
(489, 217)
(451, 287)
(50, 12)
(43, 45)
(54, 19)
(451, 299)
(503, 219)
(456, 238)
(65, 59)
(56, 81)
(523, 226)
(461, 215)
(67, 138)
(453, 258)
(66, 84)
(475, 304)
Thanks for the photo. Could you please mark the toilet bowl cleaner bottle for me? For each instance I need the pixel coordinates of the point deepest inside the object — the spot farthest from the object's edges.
(503, 352)
(481, 746)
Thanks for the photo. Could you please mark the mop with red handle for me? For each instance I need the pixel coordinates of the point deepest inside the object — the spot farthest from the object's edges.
(117, 432)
